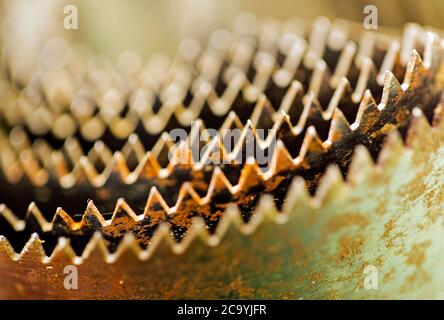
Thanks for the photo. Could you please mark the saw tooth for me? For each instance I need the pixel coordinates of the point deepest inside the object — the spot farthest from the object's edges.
(231, 122)
(282, 159)
(32, 168)
(297, 196)
(73, 149)
(33, 249)
(264, 64)
(391, 150)
(43, 151)
(35, 219)
(389, 62)
(312, 145)
(122, 213)
(432, 50)
(231, 217)
(182, 155)
(319, 78)
(119, 165)
(214, 152)
(318, 35)
(330, 186)
(367, 113)
(188, 206)
(282, 77)
(292, 102)
(391, 93)
(366, 79)
(7, 251)
(341, 97)
(186, 192)
(415, 70)
(162, 147)
(418, 127)
(92, 218)
(410, 35)
(265, 210)
(96, 247)
(251, 175)
(361, 166)
(7, 214)
(311, 114)
(64, 253)
(155, 203)
(127, 246)
(344, 63)
(100, 152)
(339, 127)
(19, 139)
(135, 146)
(219, 184)
(262, 115)
(148, 168)
(220, 106)
(64, 221)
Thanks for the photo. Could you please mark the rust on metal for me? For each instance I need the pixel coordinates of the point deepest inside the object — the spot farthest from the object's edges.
(353, 152)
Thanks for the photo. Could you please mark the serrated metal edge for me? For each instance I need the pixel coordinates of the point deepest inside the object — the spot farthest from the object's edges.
(415, 74)
(361, 167)
(220, 105)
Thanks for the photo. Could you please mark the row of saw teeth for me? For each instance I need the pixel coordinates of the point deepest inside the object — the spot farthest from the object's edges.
(253, 183)
(297, 127)
(144, 232)
(310, 137)
(234, 70)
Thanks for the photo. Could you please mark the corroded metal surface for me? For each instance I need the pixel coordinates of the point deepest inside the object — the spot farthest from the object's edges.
(295, 230)
(396, 227)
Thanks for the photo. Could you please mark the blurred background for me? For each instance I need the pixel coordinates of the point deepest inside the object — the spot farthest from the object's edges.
(110, 27)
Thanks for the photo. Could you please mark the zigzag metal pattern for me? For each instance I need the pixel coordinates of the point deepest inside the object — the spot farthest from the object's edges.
(311, 116)
(361, 167)
(371, 120)
(204, 91)
(251, 176)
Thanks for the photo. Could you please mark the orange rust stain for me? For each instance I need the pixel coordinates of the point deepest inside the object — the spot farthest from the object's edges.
(350, 246)
(332, 295)
(389, 276)
(315, 278)
(388, 235)
(381, 209)
(346, 220)
(417, 254)
(388, 228)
